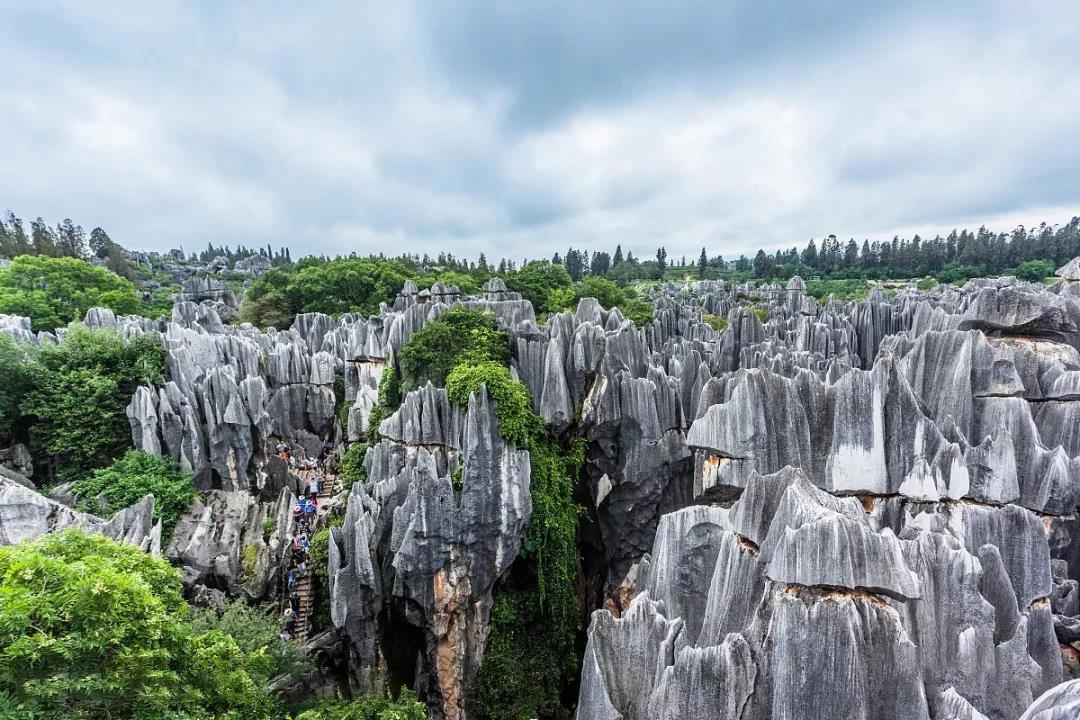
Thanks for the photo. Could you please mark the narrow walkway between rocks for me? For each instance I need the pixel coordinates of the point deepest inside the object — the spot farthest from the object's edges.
(303, 586)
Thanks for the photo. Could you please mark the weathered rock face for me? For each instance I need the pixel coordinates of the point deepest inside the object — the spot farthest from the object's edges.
(416, 548)
(796, 603)
(27, 515)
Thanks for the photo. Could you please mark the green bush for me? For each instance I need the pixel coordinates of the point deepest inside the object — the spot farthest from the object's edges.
(369, 707)
(718, 323)
(91, 629)
(15, 382)
(53, 291)
(267, 527)
(255, 630)
(1034, 270)
(319, 562)
(131, 478)
(81, 388)
(351, 469)
(536, 281)
(517, 421)
(459, 335)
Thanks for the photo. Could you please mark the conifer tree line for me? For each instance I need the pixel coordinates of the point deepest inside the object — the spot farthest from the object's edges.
(961, 253)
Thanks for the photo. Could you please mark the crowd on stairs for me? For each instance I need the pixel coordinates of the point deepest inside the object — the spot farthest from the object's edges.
(319, 487)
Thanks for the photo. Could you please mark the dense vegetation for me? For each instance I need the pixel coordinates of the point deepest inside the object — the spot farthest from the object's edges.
(73, 397)
(131, 478)
(457, 336)
(90, 628)
(54, 291)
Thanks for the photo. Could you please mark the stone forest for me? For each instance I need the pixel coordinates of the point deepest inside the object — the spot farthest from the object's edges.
(755, 504)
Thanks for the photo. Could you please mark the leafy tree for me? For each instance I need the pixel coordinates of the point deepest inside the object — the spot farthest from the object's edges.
(536, 280)
(15, 381)
(265, 303)
(1034, 270)
(457, 336)
(81, 388)
(55, 291)
(131, 478)
(661, 263)
(91, 629)
(369, 707)
(702, 264)
(256, 631)
(352, 470)
(346, 285)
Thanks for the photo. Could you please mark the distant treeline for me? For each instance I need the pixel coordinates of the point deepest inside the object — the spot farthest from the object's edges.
(958, 255)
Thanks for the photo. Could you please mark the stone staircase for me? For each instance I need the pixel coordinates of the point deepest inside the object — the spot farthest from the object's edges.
(303, 586)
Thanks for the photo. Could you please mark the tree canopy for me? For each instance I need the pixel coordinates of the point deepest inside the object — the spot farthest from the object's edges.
(54, 291)
(90, 628)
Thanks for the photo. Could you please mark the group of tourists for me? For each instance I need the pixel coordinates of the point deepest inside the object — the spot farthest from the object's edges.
(304, 513)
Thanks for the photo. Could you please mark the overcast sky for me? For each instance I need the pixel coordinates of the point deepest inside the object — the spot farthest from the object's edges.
(521, 130)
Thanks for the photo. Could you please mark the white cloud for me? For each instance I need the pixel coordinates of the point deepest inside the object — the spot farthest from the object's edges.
(338, 128)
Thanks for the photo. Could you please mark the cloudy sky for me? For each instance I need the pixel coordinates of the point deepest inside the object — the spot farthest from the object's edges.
(520, 128)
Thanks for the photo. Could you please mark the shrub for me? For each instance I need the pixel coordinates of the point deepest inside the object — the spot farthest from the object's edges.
(351, 469)
(458, 335)
(1034, 270)
(53, 291)
(15, 381)
(319, 562)
(81, 388)
(369, 707)
(255, 630)
(716, 322)
(92, 628)
(131, 478)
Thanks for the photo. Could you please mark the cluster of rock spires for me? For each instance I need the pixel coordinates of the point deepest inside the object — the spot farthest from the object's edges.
(858, 509)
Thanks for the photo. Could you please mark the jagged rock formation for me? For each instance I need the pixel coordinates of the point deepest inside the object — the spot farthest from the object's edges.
(858, 509)
(26, 514)
(418, 548)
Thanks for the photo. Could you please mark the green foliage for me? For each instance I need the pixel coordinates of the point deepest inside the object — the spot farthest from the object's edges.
(369, 707)
(526, 664)
(716, 322)
(131, 478)
(1034, 270)
(319, 562)
(255, 630)
(265, 303)
(840, 289)
(90, 629)
(459, 335)
(249, 560)
(518, 422)
(267, 527)
(15, 381)
(457, 478)
(761, 313)
(638, 312)
(351, 469)
(536, 281)
(345, 285)
(533, 629)
(80, 390)
(53, 291)
(467, 284)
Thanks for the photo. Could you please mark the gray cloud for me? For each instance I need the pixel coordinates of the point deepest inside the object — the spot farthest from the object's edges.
(526, 128)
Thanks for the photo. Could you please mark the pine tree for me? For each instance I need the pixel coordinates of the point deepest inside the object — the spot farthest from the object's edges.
(702, 263)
